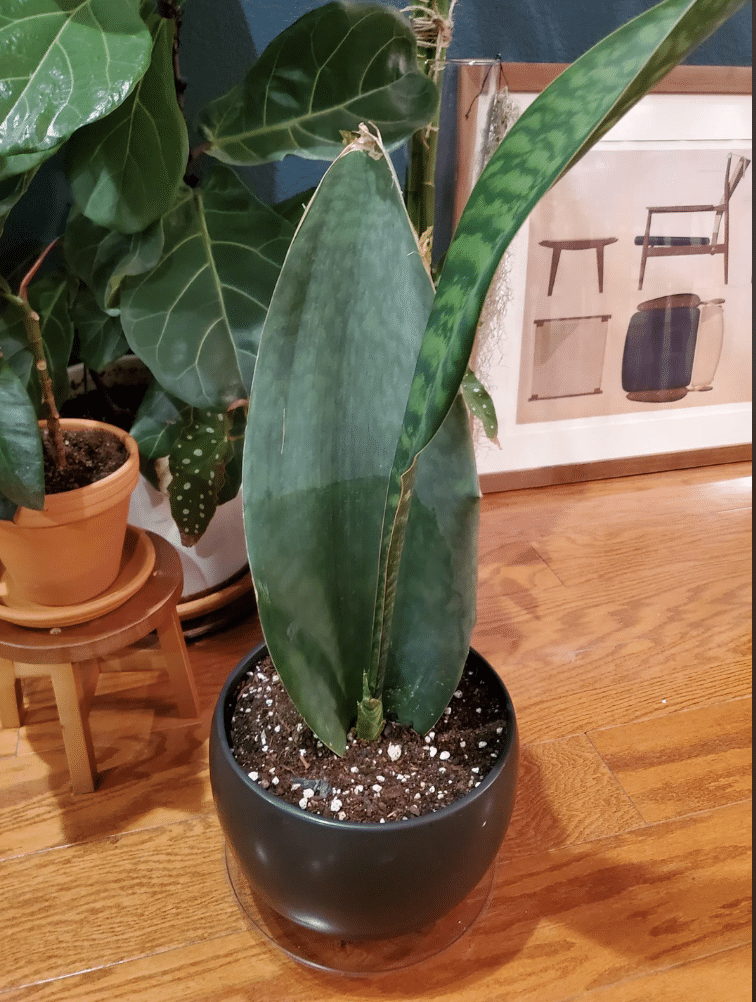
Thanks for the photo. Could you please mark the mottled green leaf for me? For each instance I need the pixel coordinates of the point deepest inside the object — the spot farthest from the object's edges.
(480, 404)
(103, 258)
(196, 318)
(125, 170)
(64, 64)
(580, 106)
(101, 339)
(22, 479)
(197, 463)
(304, 91)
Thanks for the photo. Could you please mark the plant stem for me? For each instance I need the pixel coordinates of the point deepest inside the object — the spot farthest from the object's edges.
(433, 26)
(36, 344)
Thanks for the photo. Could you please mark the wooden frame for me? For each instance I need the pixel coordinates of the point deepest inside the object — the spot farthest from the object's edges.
(530, 78)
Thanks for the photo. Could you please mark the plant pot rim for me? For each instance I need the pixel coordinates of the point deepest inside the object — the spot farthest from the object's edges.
(317, 820)
(87, 424)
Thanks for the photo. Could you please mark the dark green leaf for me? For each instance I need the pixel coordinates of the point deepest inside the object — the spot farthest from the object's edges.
(197, 464)
(435, 601)
(16, 174)
(336, 361)
(159, 422)
(21, 472)
(234, 463)
(195, 319)
(102, 258)
(480, 404)
(65, 64)
(125, 170)
(101, 339)
(339, 65)
(292, 209)
(50, 296)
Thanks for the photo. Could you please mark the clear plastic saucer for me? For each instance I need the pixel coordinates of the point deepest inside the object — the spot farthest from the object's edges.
(355, 958)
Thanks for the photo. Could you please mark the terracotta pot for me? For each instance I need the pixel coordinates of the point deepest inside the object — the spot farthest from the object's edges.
(360, 880)
(71, 550)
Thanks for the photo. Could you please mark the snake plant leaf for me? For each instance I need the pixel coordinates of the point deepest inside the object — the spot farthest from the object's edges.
(197, 463)
(103, 258)
(22, 480)
(330, 386)
(480, 404)
(101, 339)
(434, 613)
(65, 64)
(302, 92)
(125, 170)
(196, 318)
(579, 107)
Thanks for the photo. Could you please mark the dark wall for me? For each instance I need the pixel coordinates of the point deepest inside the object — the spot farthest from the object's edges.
(522, 31)
(221, 38)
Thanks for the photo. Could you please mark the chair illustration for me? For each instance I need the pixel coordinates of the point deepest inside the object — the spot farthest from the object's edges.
(664, 246)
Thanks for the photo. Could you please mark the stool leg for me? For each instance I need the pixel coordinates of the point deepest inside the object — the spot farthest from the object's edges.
(70, 698)
(173, 646)
(11, 703)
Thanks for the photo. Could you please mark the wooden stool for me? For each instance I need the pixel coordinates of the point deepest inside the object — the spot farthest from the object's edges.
(70, 656)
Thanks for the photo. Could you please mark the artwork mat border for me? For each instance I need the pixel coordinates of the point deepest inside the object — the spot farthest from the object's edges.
(725, 439)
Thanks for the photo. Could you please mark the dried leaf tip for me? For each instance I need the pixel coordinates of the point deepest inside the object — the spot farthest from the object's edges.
(364, 140)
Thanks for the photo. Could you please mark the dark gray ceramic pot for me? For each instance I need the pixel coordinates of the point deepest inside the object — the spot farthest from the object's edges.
(354, 880)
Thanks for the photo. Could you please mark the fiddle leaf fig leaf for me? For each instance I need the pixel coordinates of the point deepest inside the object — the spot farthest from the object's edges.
(101, 339)
(103, 258)
(50, 297)
(480, 404)
(125, 170)
(196, 318)
(16, 174)
(197, 463)
(22, 480)
(65, 64)
(302, 93)
(159, 422)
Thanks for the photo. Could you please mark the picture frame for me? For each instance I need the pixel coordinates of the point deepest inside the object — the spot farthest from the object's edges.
(581, 386)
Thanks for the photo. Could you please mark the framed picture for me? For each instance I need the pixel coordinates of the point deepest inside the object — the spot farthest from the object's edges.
(617, 335)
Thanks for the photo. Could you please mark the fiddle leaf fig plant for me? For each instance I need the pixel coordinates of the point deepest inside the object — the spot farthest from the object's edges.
(359, 479)
(155, 261)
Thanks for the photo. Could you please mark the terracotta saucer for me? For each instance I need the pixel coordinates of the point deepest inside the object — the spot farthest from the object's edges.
(137, 562)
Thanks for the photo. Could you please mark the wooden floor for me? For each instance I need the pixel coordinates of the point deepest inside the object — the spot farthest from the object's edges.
(618, 613)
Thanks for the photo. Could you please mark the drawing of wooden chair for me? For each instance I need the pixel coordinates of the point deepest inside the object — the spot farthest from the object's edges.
(664, 246)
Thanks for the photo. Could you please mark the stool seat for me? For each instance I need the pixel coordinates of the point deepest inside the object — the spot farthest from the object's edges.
(70, 656)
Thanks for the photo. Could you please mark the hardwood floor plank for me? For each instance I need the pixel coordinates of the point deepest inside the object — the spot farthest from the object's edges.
(725, 975)
(561, 925)
(100, 903)
(717, 541)
(146, 781)
(685, 762)
(566, 795)
(574, 659)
